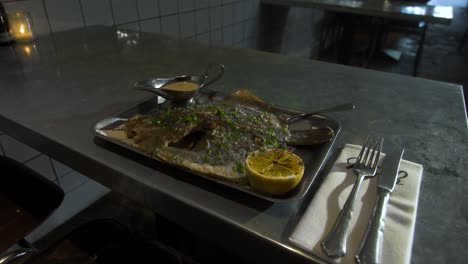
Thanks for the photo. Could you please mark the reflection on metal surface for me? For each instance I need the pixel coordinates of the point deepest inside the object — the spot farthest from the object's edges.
(414, 10)
(26, 51)
(356, 3)
(129, 38)
(443, 11)
(387, 4)
(20, 26)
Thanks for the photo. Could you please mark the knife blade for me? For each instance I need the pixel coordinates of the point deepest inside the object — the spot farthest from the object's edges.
(389, 173)
(370, 250)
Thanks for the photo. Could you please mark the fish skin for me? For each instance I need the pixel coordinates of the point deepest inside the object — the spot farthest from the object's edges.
(215, 139)
(222, 137)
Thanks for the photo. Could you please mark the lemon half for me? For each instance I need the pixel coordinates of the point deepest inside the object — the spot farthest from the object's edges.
(274, 172)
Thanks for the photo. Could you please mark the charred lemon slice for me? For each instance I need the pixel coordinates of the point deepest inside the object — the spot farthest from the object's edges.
(274, 172)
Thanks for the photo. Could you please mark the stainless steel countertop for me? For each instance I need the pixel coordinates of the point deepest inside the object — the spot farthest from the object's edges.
(402, 10)
(53, 91)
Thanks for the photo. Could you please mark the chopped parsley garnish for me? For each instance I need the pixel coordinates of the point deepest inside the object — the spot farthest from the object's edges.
(238, 167)
(220, 112)
(156, 122)
(190, 118)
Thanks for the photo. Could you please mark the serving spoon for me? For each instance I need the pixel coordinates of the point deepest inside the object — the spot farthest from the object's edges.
(337, 108)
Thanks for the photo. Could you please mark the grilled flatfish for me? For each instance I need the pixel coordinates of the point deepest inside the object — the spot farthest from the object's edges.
(214, 139)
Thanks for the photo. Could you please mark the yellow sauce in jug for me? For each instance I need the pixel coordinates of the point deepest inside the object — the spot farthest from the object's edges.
(181, 86)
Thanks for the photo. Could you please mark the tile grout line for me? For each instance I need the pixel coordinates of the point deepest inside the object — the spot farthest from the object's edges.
(82, 13)
(178, 17)
(112, 12)
(221, 28)
(47, 16)
(209, 26)
(233, 7)
(195, 18)
(65, 174)
(55, 172)
(30, 159)
(138, 14)
(159, 16)
(76, 187)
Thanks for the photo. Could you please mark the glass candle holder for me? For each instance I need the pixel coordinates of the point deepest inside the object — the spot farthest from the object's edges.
(21, 26)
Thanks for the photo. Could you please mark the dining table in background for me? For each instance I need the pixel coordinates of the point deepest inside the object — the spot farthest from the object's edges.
(51, 96)
(349, 13)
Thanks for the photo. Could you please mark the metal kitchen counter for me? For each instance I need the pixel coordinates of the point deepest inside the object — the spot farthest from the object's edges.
(53, 91)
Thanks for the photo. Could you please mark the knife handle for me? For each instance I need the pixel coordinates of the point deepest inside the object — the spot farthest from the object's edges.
(370, 250)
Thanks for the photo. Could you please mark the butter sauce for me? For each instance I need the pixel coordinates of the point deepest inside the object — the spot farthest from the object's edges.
(181, 86)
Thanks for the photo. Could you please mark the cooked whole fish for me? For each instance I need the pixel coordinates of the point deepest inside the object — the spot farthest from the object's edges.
(214, 139)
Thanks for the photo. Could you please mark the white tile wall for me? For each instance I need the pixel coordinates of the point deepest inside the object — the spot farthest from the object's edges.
(216, 17)
(217, 37)
(74, 202)
(228, 22)
(215, 2)
(64, 15)
(170, 25)
(80, 191)
(227, 14)
(124, 11)
(254, 8)
(71, 181)
(227, 36)
(17, 150)
(43, 165)
(202, 3)
(60, 169)
(250, 28)
(130, 26)
(204, 38)
(239, 12)
(167, 7)
(97, 12)
(187, 24)
(148, 8)
(238, 33)
(202, 19)
(186, 5)
(151, 26)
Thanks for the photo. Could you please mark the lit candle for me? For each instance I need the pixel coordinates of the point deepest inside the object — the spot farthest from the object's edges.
(20, 26)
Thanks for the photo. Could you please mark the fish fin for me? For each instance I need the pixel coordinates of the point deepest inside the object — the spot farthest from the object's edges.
(247, 98)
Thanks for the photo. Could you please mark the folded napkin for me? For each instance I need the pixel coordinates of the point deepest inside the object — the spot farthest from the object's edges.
(321, 214)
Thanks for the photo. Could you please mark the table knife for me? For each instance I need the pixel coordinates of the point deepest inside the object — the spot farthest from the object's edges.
(370, 250)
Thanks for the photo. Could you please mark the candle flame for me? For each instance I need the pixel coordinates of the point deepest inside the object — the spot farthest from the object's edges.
(22, 29)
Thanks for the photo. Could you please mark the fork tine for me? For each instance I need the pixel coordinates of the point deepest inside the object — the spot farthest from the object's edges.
(358, 160)
(373, 147)
(369, 148)
(379, 147)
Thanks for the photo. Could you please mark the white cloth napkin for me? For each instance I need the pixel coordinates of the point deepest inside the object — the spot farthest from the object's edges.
(321, 214)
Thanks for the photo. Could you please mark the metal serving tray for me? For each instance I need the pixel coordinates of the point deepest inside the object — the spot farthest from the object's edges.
(313, 156)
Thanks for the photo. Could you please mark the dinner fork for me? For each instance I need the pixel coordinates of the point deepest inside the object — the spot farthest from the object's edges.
(334, 244)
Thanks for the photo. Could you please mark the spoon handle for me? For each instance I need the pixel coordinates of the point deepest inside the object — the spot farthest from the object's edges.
(341, 107)
(218, 75)
(152, 89)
